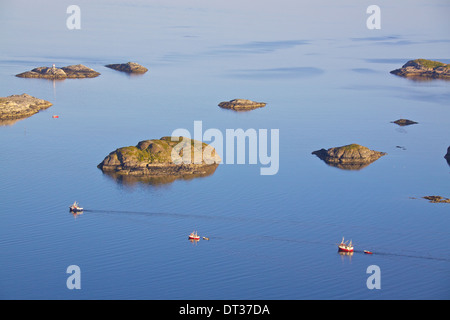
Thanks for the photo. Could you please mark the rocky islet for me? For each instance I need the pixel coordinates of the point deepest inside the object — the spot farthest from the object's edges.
(241, 104)
(422, 69)
(129, 67)
(78, 71)
(21, 106)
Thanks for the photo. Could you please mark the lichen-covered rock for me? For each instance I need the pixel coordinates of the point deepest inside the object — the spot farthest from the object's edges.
(423, 69)
(349, 157)
(171, 156)
(129, 67)
(21, 106)
(72, 72)
(241, 104)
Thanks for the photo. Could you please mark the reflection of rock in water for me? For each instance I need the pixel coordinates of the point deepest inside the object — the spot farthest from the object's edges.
(10, 122)
(349, 157)
(159, 180)
(348, 166)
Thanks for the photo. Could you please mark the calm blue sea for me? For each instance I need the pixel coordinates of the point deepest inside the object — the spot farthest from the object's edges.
(325, 78)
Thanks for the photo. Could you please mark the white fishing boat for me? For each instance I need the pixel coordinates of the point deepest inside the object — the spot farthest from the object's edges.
(345, 246)
(75, 207)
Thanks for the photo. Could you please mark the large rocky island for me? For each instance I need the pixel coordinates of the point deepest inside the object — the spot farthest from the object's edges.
(162, 158)
(71, 72)
(421, 69)
(21, 106)
(349, 157)
(241, 104)
(129, 67)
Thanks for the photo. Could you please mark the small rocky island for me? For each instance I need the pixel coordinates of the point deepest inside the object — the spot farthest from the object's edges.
(69, 72)
(437, 199)
(421, 69)
(404, 122)
(21, 106)
(241, 104)
(162, 158)
(129, 67)
(349, 157)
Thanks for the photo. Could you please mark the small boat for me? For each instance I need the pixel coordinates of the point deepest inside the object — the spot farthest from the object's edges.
(194, 236)
(205, 238)
(345, 246)
(55, 116)
(75, 207)
(368, 252)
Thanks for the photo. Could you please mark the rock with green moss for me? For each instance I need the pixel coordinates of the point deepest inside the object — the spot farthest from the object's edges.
(424, 69)
(168, 156)
(21, 106)
(129, 67)
(241, 104)
(349, 157)
(54, 73)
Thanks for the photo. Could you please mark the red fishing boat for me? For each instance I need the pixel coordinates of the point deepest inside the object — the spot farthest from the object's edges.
(345, 246)
(368, 252)
(194, 236)
(75, 207)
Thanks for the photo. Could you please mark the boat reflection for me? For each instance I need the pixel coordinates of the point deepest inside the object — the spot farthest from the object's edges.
(346, 256)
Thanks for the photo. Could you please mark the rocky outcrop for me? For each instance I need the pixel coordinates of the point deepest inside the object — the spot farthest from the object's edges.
(71, 72)
(162, 157)
(437, 199)
(241, 104)
(447, 156)
(404, 122)
(21, 106)
(349, 157)
(424, 69)
(129, 67)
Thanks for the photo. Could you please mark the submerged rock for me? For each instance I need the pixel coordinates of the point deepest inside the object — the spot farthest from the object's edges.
(422, 69)
(437, 199)
(21, 106)
(404, 122)
(162, 157)
(129, 67)
(241, 104)
(71, 72)
(349, 157)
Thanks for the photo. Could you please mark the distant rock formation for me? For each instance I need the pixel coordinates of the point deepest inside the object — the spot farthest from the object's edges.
(437, 199)
(447, 156)
(71, 72)
(424, 69)
(241, 104)
(349, 157)
(162, 157)
(404, 122)
(21, 106)
(129, 67)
